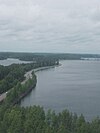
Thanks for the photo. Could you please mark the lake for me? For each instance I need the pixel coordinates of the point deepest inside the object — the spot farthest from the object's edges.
(74, 86)
(10, 61)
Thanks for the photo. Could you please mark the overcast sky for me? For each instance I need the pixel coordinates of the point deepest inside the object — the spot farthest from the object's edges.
(71, 26)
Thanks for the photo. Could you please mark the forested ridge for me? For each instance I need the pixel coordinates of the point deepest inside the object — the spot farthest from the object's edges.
(43, 56)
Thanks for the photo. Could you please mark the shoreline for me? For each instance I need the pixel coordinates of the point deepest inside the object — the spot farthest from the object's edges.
(27, 76)
(32, 87)
(29, 73)
(43, 68)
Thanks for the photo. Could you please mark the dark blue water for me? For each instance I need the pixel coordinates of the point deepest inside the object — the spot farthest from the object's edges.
(75, 85)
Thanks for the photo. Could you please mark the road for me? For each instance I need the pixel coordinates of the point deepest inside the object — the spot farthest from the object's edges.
(27, 76)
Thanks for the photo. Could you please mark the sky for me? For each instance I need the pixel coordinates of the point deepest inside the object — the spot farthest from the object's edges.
(69, 26)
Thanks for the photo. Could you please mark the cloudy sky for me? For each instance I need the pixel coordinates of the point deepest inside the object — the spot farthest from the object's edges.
(71, 26)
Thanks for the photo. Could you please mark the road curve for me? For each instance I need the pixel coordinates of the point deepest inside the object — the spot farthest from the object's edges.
(27, 76)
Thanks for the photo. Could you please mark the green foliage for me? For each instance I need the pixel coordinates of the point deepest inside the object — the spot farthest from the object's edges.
(15, 119)
(11, 75)
(34, 120)
(20, 90)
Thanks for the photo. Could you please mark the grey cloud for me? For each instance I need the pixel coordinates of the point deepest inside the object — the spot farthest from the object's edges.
(50, 26)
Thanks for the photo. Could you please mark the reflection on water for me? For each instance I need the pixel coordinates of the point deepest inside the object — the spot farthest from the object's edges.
(75, 85)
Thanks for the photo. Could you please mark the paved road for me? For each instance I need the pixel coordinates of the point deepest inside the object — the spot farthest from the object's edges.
(3, 96)
(27, 76)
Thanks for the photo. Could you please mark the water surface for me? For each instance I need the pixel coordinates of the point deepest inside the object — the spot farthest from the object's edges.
(10, 61)
(75, 85)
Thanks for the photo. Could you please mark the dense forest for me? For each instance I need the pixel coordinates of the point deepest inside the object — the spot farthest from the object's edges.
(34, 120)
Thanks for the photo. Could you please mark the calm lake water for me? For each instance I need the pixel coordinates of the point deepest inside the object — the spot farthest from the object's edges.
(10, 61)
(74, 86)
